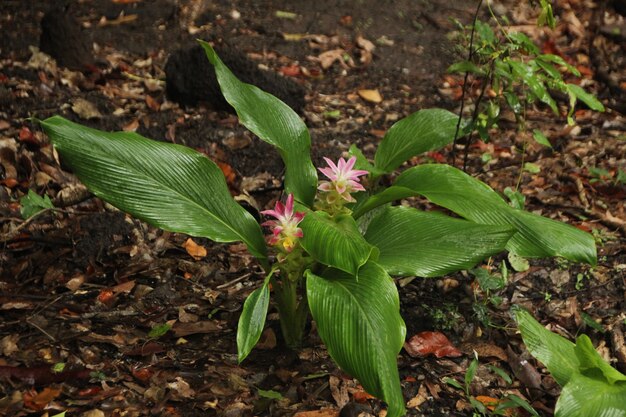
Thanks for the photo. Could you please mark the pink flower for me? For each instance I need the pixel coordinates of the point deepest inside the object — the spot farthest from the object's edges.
(343, 179)
(285, 230)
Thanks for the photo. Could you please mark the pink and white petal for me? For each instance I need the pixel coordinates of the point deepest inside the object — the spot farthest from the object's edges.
(289, 205)
(331, 164)
(340, 188)
(350, 164)
(358, 173)
(298, 233)
(329, 173)
(355, 186)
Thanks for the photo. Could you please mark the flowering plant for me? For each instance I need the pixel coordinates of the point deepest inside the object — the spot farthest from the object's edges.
(335, 242)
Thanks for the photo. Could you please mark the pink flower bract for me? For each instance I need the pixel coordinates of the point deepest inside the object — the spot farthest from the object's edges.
(343, 179)
(285, 230)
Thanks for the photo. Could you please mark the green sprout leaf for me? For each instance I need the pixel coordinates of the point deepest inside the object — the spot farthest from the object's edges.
(159, 330)
(32, 204)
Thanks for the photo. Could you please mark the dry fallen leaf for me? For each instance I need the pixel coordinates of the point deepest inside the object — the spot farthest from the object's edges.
(196, 251)
(325, 412)
(85, 109)
(372, 96)
(39, 401)
(425, 343)
(419, 399)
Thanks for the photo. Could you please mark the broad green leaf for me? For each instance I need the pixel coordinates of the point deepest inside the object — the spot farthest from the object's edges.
(555, 352)
(466, 66)
(536, 86)
(275, 123)
(585, 97)
(413, 242)
(518, 263)
(335, 241)
(584, 396)
(420, 132)
(170, 186)
(32, 204)
(470, 198)
(360, 324)
(592, 364)
(474, 200)
(252, 320)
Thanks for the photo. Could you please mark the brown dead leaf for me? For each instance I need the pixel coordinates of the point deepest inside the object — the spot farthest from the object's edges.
(85, 109)
(267, 340)
(185, 329)
(324, 412)
(339, 391)
(436, 343)
(523, 370)
(152, 103)
(419, 399)
(182, 387)
(328, 58)
(372, 96)
(132, 126)
(8, 344)
(485, 350)
(196, 251)
(39, 401)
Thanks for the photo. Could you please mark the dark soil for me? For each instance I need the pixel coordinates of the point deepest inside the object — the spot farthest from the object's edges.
(85, 285)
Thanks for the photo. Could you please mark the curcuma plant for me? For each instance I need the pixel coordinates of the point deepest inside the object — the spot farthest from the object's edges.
(333, 244)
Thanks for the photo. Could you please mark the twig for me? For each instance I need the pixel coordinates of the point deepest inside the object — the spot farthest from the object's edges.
(463, 90)
(233, 282)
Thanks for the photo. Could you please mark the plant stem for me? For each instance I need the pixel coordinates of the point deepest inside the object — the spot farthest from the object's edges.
(293, 311)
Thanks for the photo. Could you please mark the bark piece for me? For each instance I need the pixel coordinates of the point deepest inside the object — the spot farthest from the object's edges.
(63, 39)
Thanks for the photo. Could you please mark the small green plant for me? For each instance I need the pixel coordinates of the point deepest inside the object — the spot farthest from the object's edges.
(589, 385)
(486, 406)
(32, 204)
(333, 244)
(513, 73)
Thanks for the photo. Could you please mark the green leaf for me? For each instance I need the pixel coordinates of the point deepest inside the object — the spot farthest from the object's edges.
(465, 66)
(360, 324)
(335, 241)
(60, 414)
(518, 263)
(592, 364)
(271, 394)
(549, 69)
(32, 204)
(516, 199)
(453, 382)
(585, 97)
(159, 330)
(555, 352)
(420, 132)
(555, 59)
(532, 168)
(523, 42)
(585, 396)
(363, 163)
(252, 319)
(536, 86)
(474, 200)
(541, 139)
(169, 186)
(470, 373)
(275, 123)
(413, 242)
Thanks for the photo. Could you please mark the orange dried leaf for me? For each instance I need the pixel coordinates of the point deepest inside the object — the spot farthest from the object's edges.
(196, 251)
(372, 96)
(361, 396)
(436, 343)
(39, 401)
(152, 103)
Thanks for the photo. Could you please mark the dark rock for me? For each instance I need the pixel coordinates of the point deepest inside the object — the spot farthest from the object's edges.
(190, 79)
(63, 39)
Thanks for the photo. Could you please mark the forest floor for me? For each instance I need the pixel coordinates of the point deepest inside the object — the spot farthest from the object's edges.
(87, 286)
